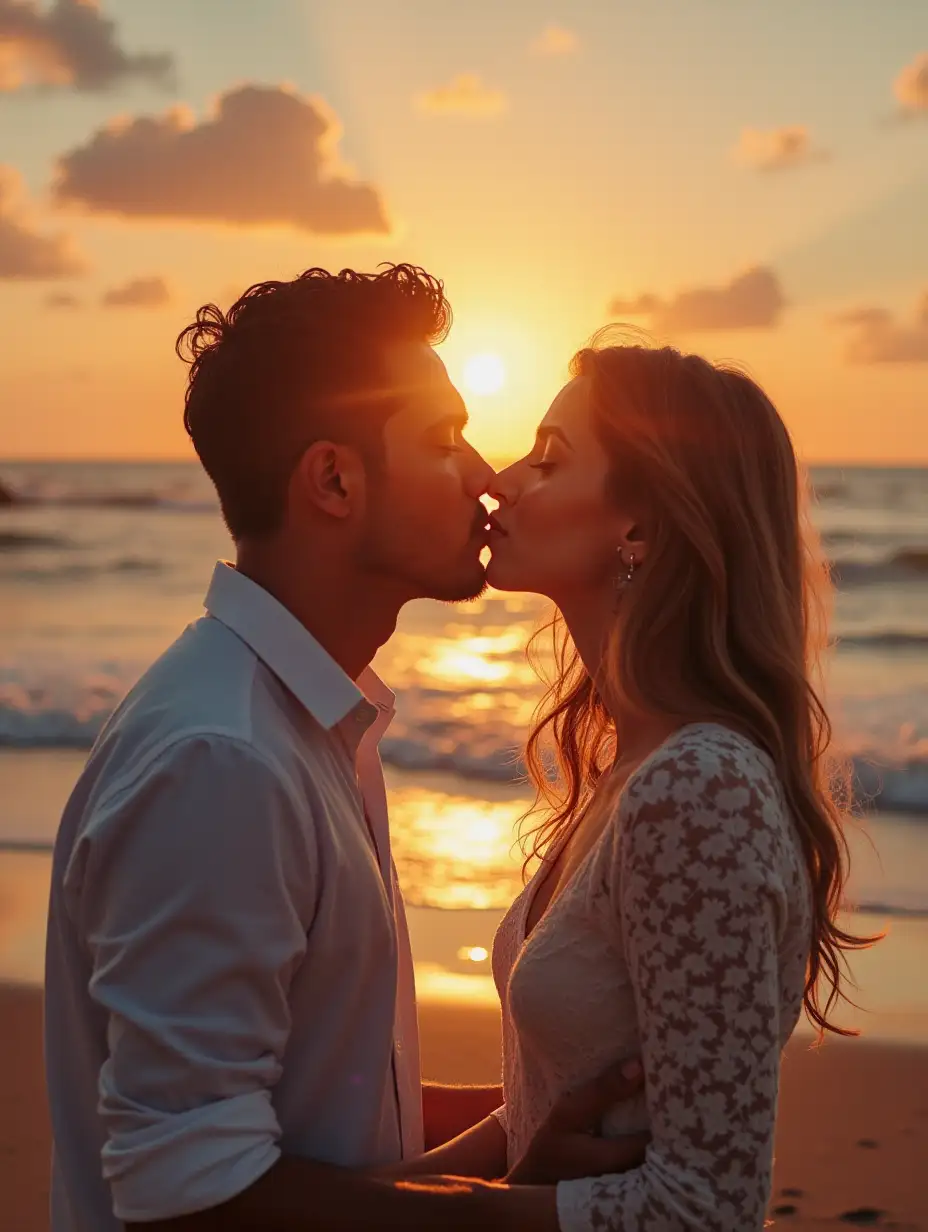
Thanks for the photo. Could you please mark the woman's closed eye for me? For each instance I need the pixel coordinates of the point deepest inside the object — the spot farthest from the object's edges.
(545, 464)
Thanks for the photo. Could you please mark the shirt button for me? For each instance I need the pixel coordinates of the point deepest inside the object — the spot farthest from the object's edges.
(398, 1045)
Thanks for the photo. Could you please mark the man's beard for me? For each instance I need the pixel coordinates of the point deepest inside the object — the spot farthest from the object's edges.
(469, 584)
(384, 558)
(462, 593)
(461, 585)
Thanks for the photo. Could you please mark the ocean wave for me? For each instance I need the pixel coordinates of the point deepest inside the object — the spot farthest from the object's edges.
(483, 760)
(889, 639)
(73, 571)
(829, 491)
(899, 788)
(29, 541)
(138, 500)
(895, 910)
(170, 500)
(904, 565)
(860, 556)
(130, 500)
(880, 786)
(50, 727)
(482, 752)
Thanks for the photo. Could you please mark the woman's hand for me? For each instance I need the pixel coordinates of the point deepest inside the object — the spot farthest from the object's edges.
(565, 1147)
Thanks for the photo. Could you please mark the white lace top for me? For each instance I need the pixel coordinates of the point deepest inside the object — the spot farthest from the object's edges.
(682, 938)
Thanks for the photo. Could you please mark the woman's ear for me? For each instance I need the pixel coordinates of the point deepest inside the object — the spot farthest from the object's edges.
(633, 540)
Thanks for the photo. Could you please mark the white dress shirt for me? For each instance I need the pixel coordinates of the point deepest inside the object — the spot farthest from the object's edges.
(228, 972)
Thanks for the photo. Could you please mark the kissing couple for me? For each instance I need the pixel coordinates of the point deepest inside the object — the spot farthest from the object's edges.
(231, 1035)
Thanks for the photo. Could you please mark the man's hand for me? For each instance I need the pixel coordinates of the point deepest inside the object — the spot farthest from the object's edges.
(565, 1147)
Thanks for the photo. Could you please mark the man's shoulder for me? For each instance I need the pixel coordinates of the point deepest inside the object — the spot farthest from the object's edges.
(207, 691)
(204, 680)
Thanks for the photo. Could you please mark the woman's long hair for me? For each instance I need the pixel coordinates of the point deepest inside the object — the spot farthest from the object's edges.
(725, 620)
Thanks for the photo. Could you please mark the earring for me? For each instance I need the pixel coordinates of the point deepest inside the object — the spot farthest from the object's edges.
(626, 571)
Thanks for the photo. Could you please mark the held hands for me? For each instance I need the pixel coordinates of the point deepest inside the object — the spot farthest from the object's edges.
(565, 1147)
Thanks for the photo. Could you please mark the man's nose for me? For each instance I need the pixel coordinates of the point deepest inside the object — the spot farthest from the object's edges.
(480, 475)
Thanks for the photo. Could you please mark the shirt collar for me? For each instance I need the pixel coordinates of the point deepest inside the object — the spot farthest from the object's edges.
(293, 654)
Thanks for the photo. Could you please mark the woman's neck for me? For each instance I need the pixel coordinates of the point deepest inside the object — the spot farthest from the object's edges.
(589, 622)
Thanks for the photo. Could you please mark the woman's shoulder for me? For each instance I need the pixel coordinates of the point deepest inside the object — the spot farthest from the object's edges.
(708, 780)
(705, 812)
(702, 761)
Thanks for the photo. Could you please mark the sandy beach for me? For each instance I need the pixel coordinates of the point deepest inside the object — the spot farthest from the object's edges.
(851, 1150)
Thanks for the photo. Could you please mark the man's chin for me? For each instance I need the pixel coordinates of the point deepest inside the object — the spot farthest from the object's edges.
(471, 584)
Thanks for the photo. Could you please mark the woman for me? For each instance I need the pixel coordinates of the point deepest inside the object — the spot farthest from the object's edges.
(692, 859)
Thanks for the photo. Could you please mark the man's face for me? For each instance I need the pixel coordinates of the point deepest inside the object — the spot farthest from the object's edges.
(424, 522)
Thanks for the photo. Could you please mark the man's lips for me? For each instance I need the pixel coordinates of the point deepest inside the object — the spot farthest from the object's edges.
(495, 526)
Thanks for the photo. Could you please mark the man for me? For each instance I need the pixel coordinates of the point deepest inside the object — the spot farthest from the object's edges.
(230, 1015)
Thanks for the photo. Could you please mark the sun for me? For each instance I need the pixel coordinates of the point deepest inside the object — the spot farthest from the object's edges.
(484, 373)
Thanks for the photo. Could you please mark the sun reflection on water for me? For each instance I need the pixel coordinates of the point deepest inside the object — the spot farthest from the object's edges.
(453, 663)
(473, 953)
(473, 660)
(455, 851)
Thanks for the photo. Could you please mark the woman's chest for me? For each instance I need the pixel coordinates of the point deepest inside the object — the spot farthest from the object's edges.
(566, 989)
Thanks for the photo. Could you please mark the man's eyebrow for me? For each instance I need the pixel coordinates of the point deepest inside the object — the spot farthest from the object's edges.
(454, 419)
(543, 433)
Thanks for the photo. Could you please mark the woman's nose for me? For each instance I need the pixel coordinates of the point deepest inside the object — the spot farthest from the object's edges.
(503, 486)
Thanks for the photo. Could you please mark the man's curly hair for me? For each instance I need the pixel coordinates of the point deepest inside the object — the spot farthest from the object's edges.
(293, 362)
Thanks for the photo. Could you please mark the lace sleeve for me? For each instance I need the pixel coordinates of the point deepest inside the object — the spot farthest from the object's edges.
(693, 891)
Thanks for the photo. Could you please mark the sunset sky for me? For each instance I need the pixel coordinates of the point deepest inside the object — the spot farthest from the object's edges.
(748, 180)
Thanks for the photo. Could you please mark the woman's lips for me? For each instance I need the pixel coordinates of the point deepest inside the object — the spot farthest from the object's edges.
(495, 528)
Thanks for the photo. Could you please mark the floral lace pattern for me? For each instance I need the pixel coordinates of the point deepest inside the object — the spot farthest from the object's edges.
(683, 937)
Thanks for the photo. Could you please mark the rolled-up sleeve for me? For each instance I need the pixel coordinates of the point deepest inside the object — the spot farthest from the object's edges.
(193, 890)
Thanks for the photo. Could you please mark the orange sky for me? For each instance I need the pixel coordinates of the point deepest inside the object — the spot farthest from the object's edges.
(750, 185)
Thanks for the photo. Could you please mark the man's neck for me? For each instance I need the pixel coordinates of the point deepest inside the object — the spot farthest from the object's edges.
(343, 612)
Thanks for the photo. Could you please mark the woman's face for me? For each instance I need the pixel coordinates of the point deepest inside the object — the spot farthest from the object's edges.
(555, 533)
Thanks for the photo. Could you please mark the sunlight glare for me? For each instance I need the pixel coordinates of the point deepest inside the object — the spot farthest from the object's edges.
(473, 953)
(484, 374)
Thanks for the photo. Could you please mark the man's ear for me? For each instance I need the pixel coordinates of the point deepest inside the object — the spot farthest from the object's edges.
(331, 479)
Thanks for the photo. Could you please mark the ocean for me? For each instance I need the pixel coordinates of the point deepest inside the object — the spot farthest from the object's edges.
(102, 564)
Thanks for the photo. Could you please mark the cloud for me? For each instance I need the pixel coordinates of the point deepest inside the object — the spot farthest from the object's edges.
(878, 338)
(464, 95)
(752, 300)
(265, 155)
(70, 44)
(778, 149)
(911, 87)
(555, 40)
(62, 300)
(25, 253)
(151, 292)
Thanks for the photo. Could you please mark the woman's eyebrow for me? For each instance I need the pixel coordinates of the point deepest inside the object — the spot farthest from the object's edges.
(543, 433)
